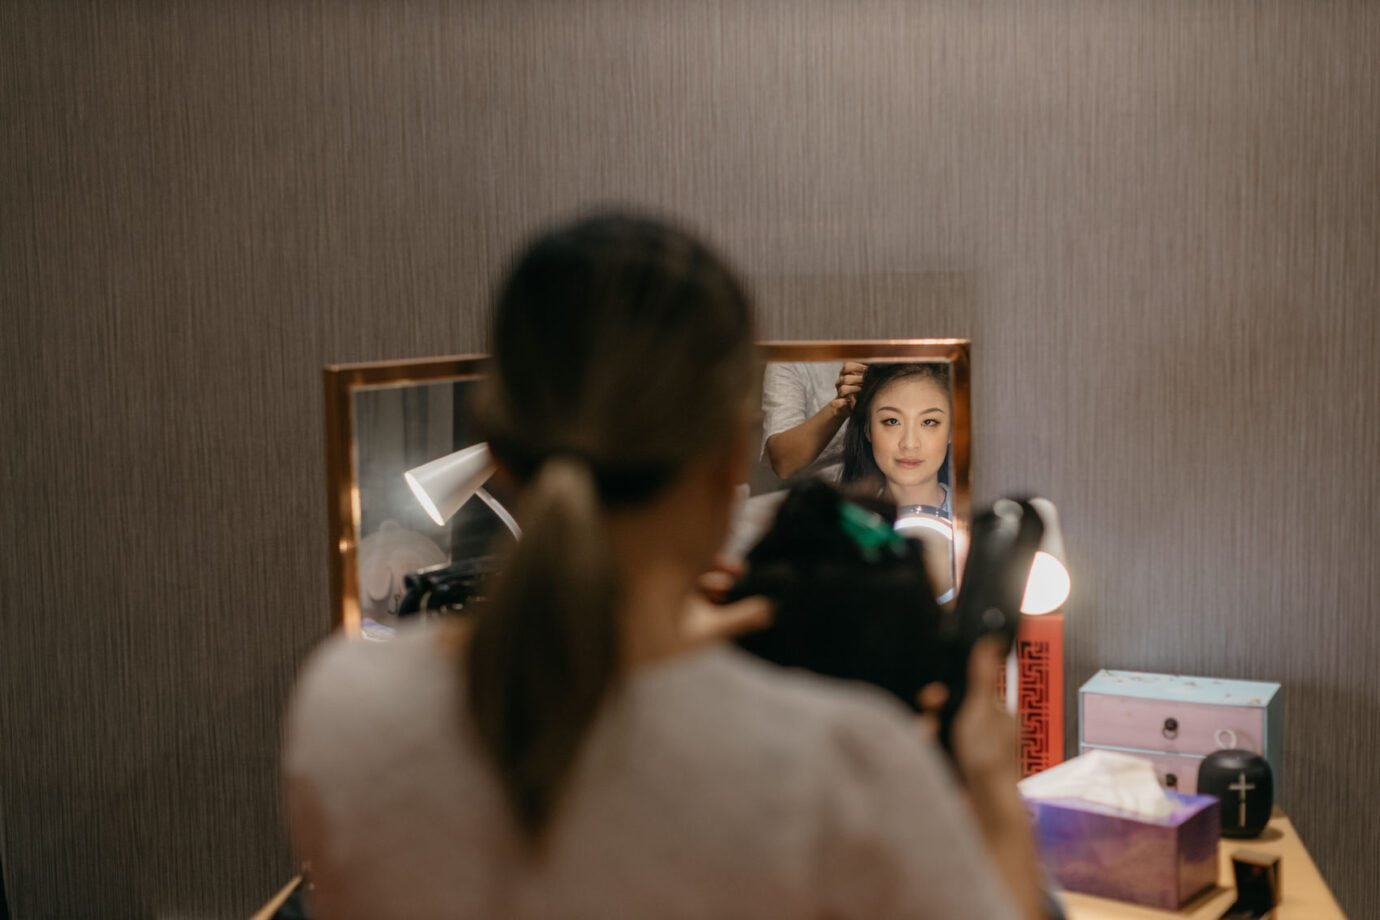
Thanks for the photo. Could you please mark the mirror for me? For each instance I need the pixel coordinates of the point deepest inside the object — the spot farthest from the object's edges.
(884, 420)
(384, 419)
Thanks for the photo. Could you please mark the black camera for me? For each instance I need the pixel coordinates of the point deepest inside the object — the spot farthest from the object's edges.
(853, 600)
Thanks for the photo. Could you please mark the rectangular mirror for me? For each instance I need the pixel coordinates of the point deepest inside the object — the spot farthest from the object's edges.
(880, 419)
(386, 421)
(383, 419)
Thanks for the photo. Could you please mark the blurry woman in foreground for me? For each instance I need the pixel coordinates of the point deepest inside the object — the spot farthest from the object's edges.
(579, 750)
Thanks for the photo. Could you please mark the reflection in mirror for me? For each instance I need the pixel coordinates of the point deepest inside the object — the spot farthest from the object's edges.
(878, 426)
(383, 420)
(398, 429)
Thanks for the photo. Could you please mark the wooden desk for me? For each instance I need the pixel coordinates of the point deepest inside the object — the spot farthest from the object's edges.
(268, 910)
(1306, 895)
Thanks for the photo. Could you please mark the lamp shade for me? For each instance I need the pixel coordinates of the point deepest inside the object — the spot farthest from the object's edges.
(1048, 585)
(444, 484)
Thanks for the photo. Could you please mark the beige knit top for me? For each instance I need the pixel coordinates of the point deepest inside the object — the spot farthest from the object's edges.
(712, 786)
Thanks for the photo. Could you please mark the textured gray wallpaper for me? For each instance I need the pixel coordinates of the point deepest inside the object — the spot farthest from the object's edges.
(1162, 222)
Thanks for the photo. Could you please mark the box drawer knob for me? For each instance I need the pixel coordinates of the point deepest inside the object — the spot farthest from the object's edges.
(1171, 728)
(1171, 781)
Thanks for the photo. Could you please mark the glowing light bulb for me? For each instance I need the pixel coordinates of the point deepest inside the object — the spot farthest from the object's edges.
(1047, 587)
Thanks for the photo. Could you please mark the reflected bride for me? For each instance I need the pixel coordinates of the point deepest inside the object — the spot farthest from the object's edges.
(898, 449)
(899, 445)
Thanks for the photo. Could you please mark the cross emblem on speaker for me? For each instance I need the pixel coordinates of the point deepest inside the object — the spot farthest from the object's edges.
(1242, 787)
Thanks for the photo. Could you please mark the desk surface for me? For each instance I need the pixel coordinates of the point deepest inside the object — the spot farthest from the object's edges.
(1306, 895)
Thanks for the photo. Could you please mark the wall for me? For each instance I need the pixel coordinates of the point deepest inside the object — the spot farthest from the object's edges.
(1166, 216)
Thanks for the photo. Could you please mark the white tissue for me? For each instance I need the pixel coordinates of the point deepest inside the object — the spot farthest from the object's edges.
(1120, 781)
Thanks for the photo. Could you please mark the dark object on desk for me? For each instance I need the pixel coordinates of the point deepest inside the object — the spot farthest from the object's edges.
(1258, 890)
(1244, 783)
(450, 588)
(853, 601)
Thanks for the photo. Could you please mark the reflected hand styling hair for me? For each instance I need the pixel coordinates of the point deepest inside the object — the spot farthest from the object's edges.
(859, 465)
(622, 349)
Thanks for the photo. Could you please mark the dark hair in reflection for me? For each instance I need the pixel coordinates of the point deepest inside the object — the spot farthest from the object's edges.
(860, 471)
(622, 351)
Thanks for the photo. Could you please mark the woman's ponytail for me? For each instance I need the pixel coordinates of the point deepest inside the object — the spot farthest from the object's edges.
(622, 351)
(545, 648)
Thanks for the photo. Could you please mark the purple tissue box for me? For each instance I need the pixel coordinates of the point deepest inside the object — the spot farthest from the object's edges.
(1101, 851)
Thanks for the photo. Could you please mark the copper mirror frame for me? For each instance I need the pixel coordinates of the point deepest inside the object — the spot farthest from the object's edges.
(343, 381)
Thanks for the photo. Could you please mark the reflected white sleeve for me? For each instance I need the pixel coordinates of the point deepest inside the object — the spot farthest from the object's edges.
(785, 400)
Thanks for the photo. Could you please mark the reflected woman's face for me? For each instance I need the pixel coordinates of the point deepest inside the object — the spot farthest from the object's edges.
(908, 426)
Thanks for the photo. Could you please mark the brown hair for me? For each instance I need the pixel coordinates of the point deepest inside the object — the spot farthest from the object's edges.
(622, 349)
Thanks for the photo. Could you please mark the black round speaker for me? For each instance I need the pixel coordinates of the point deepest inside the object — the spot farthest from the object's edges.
(1244, 784)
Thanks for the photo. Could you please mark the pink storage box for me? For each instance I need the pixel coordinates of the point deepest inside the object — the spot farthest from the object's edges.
(1173, 720)
(1097, 850)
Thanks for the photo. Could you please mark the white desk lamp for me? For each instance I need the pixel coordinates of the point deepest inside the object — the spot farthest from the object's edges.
(1035, 670)
(443, 485)
(1048, 585)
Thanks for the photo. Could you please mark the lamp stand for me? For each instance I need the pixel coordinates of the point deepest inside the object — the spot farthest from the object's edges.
(1038, 698)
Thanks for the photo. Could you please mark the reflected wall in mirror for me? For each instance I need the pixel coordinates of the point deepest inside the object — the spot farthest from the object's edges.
(390, 555)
